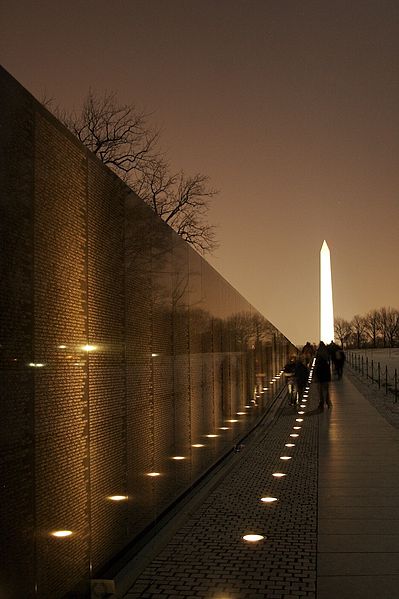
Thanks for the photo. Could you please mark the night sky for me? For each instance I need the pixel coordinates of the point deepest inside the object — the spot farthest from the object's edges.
(292, 109)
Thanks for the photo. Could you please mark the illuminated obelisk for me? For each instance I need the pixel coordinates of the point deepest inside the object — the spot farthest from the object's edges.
(326, 298)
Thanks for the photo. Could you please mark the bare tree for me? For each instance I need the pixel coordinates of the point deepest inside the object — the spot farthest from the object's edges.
(181, 201)
(358, 326)
(389, 325)
(121, 137)
(372, 321)
(118, 134)
(343, 330)
(382, 325)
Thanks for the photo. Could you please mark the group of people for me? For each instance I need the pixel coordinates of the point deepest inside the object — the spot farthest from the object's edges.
(297, 369)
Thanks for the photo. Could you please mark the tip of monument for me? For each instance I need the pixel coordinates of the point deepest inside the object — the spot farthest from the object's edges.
(324, 244)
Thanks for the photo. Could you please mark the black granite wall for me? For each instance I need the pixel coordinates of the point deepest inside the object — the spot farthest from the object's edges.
(121, 349)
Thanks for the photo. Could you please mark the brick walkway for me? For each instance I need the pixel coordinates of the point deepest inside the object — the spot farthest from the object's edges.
(334, 531)
(207, 556)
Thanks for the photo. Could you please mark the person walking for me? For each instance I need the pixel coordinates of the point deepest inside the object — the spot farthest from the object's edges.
(301, 373)
(339, 362)
(308, 354)
(323, 376)
(289, 374)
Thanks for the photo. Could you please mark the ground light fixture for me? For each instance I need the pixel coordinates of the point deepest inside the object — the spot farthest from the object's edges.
(232, 420)
(297, 428)
(153, 474)
(241, 413)
(285, 457)
(268, 499)
(118, 497)
(294, 435)
(198, 445)
(212, 436)
(290, 444)
(223, 428)
(253, 538)
(61, 534)
(279, 474)
(298, 419)
(178, 457)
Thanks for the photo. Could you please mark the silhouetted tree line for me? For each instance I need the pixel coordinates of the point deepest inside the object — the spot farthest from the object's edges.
(377, 328)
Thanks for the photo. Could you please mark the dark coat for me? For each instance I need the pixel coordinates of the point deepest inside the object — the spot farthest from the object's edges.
(322, 370)
(301, 373)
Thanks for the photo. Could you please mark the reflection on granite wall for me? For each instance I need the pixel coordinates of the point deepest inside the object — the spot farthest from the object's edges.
(125, 359)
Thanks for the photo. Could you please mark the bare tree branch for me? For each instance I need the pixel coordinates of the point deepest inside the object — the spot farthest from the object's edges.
(123, 140)
(343, 330)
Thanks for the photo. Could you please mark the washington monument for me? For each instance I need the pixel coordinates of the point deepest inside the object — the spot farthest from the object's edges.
(326, 297)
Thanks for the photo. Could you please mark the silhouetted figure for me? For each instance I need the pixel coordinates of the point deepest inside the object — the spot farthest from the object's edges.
(289, 375)
(323, 375)
(301, 373)
(332, 349)
(308, 353)
(339, 362)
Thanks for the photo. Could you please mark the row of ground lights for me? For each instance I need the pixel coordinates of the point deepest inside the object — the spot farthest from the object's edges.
(274, 379)
(254, 538)
(212, 435)
(118, 498)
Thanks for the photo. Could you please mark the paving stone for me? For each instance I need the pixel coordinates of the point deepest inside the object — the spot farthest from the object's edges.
(207, 555)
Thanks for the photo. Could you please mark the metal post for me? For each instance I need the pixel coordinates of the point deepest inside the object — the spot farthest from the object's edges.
(396, 385)
(372, 370)
(367, 367)
(386, 379)
(362, 367)
(379, 375)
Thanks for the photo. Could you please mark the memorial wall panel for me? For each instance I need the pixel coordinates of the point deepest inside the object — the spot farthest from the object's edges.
(139, 234)
(106, 363)
(121, 350)
(181, 378)
(16, 324)
(202, 422)
(60, 332)
(162, 366)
